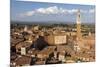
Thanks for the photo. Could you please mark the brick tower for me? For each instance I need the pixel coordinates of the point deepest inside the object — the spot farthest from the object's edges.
(78, 21)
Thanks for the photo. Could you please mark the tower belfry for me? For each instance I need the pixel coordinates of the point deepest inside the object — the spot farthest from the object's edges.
(78, 21)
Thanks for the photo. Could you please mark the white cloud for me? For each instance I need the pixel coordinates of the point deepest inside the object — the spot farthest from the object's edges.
(72, 11)
(84, 11)
(91, 10)
(49, 10)
(29, 13)
(53, 10)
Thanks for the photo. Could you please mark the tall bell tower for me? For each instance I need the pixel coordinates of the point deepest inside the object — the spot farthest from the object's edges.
(78, 21)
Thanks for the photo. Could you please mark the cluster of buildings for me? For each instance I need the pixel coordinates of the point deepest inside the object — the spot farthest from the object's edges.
(35, 46)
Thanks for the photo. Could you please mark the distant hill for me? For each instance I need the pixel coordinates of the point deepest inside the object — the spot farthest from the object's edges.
(46, 22)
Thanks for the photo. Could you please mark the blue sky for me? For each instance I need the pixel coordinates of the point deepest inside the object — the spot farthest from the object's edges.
(42, 12)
